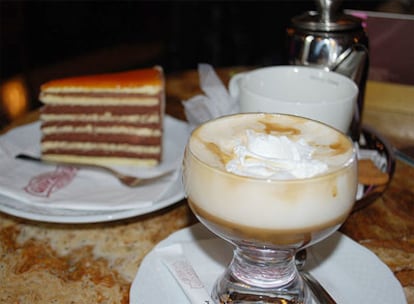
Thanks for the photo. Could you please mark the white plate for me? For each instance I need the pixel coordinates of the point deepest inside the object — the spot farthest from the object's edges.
(350, 272)
(56, 215)
(92, 196)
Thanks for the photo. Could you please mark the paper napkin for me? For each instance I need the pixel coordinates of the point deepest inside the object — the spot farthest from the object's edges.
(215, 103)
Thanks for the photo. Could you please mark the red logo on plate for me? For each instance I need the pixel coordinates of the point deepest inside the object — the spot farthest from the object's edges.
(46, 183)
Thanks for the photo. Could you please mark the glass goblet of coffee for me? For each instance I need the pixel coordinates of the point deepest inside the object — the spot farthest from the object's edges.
(270, 184)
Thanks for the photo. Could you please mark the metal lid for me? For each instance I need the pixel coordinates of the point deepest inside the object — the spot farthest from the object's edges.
(313, 21)
(327, 18)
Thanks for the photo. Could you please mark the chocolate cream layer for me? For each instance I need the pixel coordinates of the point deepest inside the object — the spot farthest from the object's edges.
(100, 153)
(110, 138)
(115, 110)
(48, 126)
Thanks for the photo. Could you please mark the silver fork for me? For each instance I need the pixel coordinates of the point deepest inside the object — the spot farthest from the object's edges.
(127, 180)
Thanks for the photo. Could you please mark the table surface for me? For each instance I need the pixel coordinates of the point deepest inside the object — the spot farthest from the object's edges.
(96, 263)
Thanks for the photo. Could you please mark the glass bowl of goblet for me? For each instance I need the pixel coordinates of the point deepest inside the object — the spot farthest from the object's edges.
(268, 216)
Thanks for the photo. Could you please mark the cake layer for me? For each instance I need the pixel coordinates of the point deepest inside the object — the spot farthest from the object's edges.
(141, 160)
(108, 130)
(104, 99)
(97, 125)
(92, 152)
(150, 118)
(99, 94)
(114, 109)
(99, 149)
(111, 138)
(104, 119)
(149, 81)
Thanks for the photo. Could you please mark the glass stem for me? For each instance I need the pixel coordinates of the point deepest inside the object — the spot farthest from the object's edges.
(265, 268)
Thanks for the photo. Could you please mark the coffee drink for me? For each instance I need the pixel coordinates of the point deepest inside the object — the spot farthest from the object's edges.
(277, 179)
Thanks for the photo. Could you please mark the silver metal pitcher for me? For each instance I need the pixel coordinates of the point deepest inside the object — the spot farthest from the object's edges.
(334, 41)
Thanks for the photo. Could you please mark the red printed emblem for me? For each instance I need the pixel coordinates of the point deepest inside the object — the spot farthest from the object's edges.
(46, 183)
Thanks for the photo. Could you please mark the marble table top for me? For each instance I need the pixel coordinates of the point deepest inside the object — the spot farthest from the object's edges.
(96, 263)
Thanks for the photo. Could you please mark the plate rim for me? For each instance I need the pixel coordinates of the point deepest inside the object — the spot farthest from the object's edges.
(88, 216)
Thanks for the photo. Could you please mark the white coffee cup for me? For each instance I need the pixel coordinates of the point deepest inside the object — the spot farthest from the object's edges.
(314, 93)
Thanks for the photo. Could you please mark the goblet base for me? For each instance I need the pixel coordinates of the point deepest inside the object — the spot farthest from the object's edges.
(229, 290)
(261, 276)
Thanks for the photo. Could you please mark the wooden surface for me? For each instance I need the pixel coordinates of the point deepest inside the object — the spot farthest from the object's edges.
(96, 263)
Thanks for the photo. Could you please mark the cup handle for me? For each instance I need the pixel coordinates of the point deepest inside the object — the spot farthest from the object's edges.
(234, 85)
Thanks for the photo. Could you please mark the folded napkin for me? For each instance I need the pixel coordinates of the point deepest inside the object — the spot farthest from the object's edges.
(79, 188)
(215, 103)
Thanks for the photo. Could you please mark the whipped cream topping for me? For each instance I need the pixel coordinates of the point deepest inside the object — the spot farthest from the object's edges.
(274, 157)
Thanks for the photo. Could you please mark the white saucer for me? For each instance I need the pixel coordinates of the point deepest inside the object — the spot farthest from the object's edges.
(350, 272)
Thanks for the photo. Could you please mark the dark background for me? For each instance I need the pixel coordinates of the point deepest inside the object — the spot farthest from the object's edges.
(39, 33)
(42, 40)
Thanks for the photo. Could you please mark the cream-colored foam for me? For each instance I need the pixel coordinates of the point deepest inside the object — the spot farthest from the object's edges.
(120, 100)
(107, 117)
(59, 129)
(270, 204)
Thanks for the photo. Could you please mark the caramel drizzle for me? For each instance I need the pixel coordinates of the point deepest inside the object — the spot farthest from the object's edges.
(339, 147)
(215, 149)
(273, 127)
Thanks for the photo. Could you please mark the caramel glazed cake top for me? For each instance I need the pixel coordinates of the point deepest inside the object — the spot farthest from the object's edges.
(104, 119)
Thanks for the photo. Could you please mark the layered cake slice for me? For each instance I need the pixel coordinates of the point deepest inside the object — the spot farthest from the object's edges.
(107, 119)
